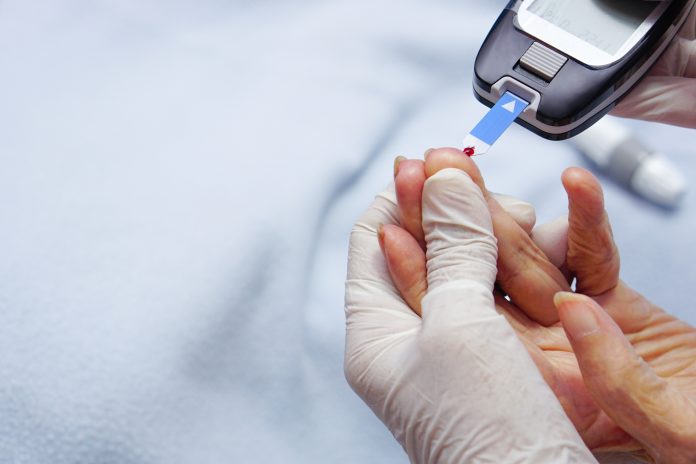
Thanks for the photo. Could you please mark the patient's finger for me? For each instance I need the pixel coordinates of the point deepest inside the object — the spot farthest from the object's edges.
(592, 254)
(409, 176)
(406, 260)
(407, 264)
(444, 158)
(524, 272)
(409, 179)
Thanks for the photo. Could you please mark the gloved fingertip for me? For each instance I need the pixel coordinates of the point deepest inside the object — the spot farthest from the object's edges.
(552, 239)
(522, 212)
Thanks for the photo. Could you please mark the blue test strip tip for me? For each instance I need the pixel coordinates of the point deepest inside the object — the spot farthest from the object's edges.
(494, 124)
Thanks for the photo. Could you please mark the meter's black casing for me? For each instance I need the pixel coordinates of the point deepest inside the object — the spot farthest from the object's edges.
(577, 89)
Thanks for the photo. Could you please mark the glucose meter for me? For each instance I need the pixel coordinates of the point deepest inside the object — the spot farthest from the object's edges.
(572, 60)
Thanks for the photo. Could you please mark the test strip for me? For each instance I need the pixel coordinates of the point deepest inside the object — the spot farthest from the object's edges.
(494, 124)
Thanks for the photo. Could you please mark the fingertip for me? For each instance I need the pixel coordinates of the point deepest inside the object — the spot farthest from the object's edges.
(585, 194)
(579, 181)
(577, 314)
(573, 173)
(586, 323)
(576, 178)
(409, 182)
(445, 158)
(397, 162)
(622, 384)
(409, 171)
(566, 301)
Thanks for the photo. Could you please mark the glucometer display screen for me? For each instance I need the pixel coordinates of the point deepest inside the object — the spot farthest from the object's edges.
(605, 24)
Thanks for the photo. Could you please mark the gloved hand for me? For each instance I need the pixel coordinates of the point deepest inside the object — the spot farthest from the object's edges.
(437, 382)
(645, 387)
(668, 93)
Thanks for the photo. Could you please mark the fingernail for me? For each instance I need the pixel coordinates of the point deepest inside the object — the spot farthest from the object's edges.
(380, 236)
(428, 152)
(580, 320)
(397, 162)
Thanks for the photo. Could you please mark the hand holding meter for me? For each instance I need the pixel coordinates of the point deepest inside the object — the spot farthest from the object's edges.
(571, 61)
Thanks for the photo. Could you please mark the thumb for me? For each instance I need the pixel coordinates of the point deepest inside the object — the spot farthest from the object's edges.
(622, 384)
(461, 247)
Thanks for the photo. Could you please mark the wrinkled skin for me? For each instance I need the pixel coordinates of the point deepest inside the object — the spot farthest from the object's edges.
(651, 393)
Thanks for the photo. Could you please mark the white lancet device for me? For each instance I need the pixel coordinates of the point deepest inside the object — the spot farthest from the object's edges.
(573, 60)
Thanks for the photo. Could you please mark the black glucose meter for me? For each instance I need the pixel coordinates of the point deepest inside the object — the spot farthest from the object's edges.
(573, 60)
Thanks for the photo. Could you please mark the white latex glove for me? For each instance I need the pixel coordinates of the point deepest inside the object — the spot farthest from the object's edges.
(668, 93)
(552, 239)
(456, 386)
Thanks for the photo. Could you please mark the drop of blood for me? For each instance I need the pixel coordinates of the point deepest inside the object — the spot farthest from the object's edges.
(469, 151)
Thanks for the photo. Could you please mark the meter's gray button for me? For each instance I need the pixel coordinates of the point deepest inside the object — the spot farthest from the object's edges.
(543, 61)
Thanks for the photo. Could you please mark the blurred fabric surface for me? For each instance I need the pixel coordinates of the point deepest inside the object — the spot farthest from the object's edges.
(177, 184)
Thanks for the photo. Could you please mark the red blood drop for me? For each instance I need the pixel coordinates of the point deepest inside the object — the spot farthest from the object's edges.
(469, 151)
